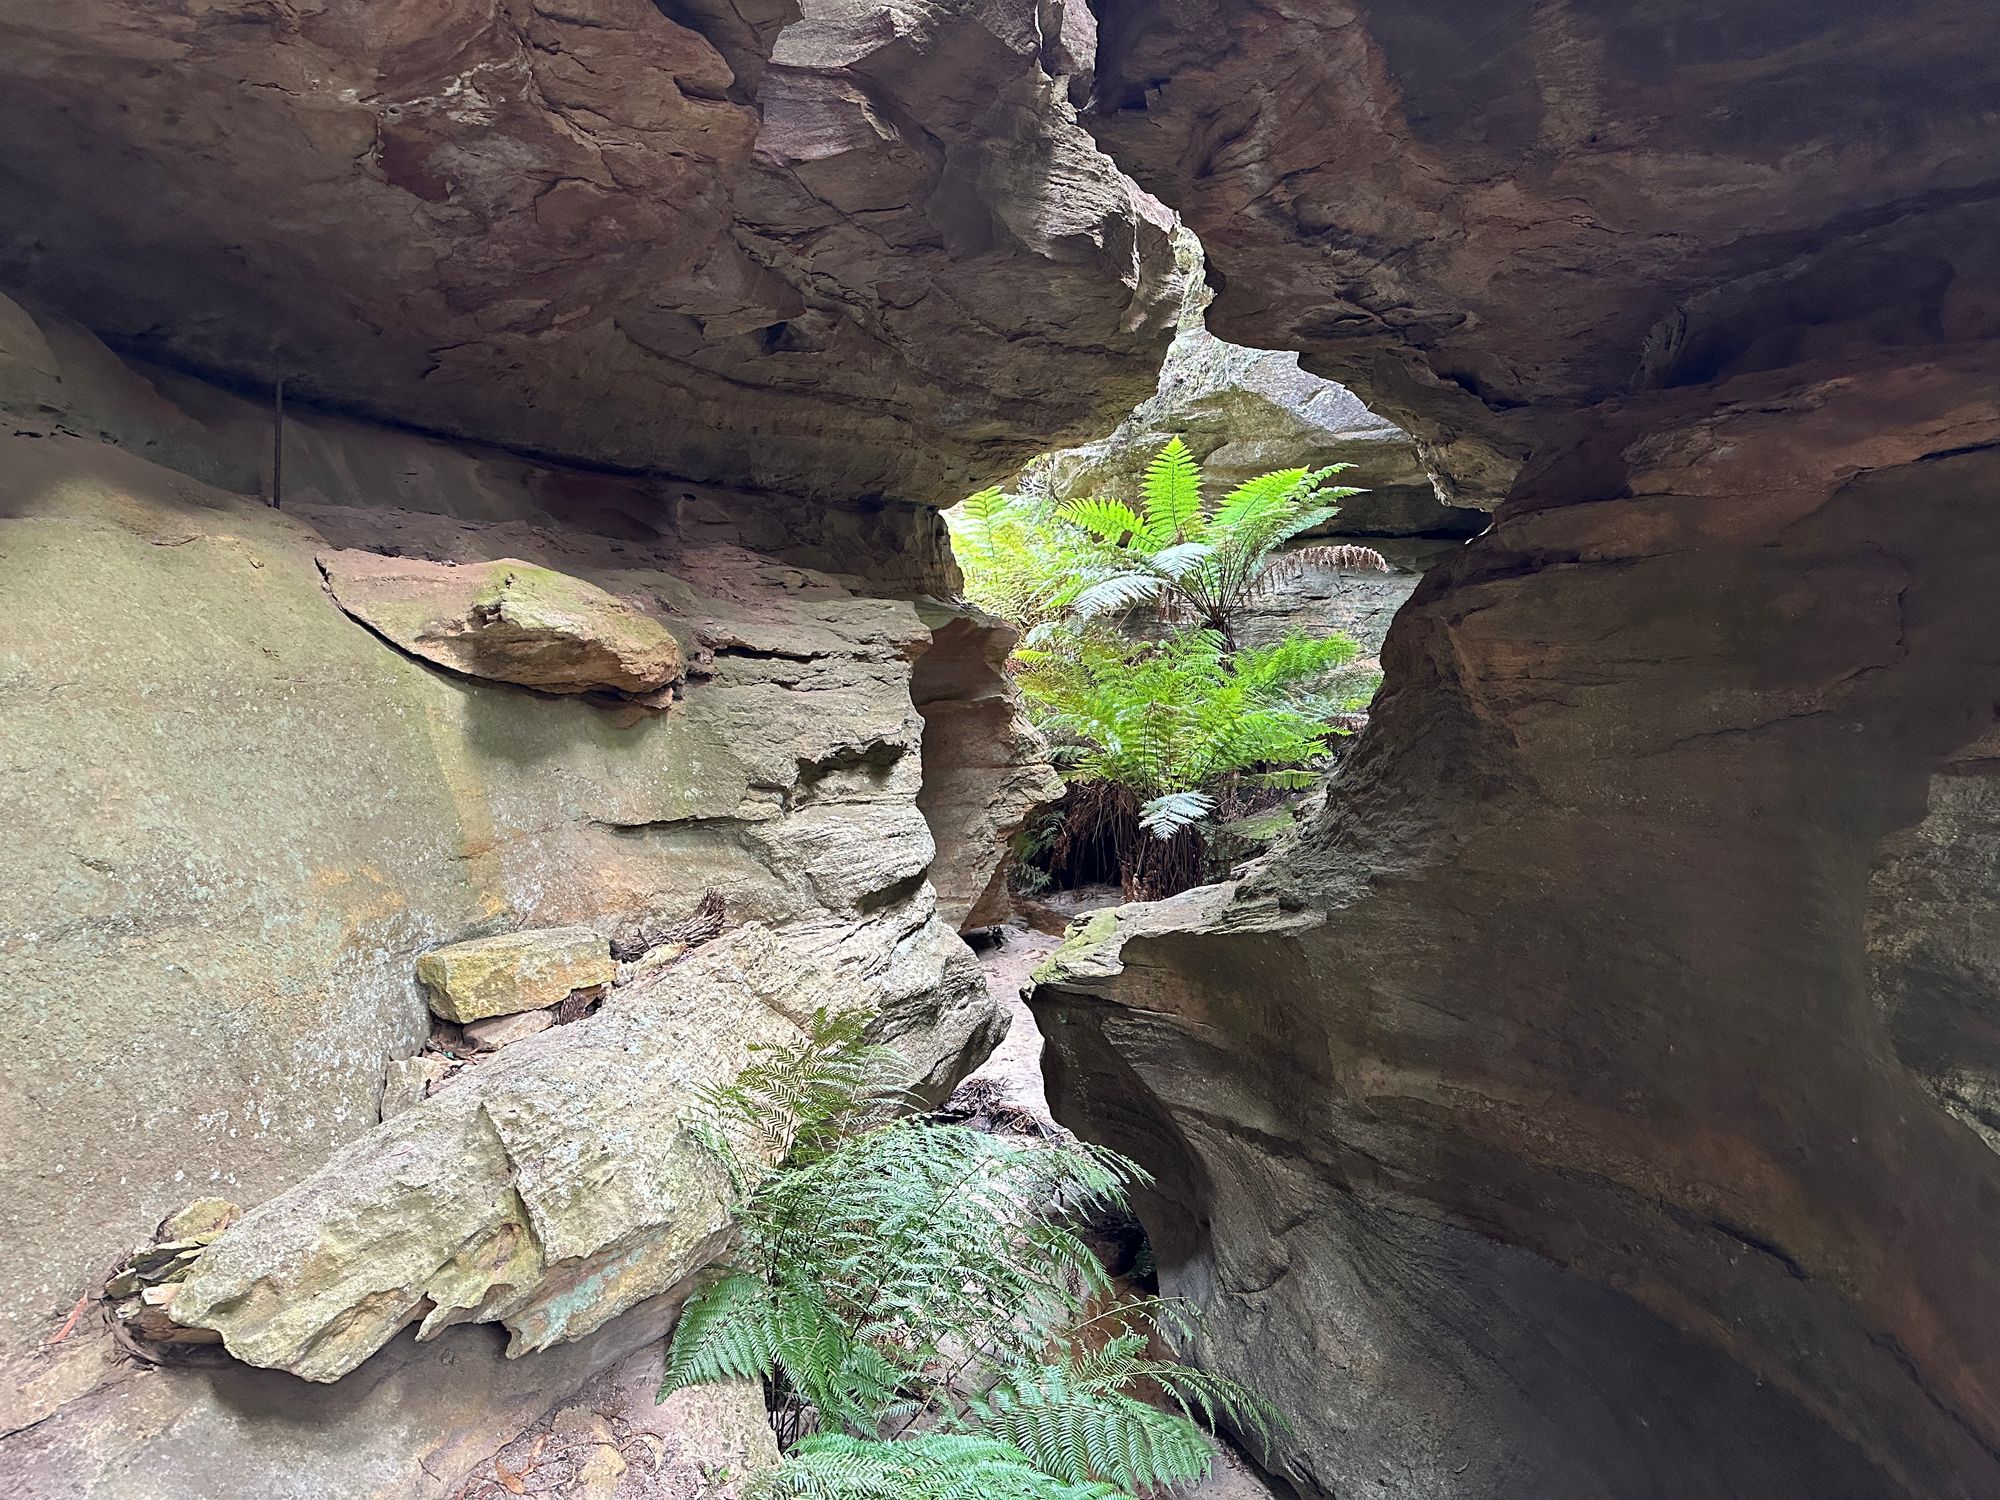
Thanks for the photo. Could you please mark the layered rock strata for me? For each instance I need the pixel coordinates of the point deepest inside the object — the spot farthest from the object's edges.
(251, 814)
(1531, 1124)
(826, 251)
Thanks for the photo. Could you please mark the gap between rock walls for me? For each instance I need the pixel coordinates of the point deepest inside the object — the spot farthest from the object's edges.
(1520, 888)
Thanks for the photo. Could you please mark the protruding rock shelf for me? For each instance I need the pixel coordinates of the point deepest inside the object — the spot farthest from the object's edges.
(509, 621)
(549, 1189)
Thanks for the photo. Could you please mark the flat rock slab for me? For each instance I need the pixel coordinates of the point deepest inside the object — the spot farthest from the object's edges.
(517, 971)
(509, 621)
(495, 1032)
(549, 1190)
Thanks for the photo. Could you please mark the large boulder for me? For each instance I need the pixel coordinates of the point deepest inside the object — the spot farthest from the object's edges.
(1530, 1124)
(549, 1190)
(833, 251)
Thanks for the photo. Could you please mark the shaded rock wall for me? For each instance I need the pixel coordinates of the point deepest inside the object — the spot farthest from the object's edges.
(1478, 219)
(246, 814)
(1532, 1124)
(985, 766)
(812, 249)
(1933, 931)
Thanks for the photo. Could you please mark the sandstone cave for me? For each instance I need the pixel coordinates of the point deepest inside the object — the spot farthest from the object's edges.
(489, 704)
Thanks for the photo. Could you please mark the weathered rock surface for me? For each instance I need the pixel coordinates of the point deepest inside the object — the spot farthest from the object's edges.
(612, 1441)
(1243, 412)
(416, 1422)
(834, 252)
(509, 621)
(549, 1190)
(1530, 1125)
(985, 767)
(246, 833)
(513, 971)
(1533, 209)
(495, 1032)
(1933, 935)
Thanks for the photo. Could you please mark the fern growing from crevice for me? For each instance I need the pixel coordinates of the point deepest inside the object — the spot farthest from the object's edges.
(1182, 721)
(917, 1294)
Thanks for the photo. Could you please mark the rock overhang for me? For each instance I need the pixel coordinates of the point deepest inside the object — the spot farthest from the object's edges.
(891, 262)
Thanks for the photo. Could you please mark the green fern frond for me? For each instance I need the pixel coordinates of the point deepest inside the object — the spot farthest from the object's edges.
(1173, 498)
(1082, 1431)
(1120, 591)
(1110, 521)
(898, 1268)
(937, 1466)
(1167, 815)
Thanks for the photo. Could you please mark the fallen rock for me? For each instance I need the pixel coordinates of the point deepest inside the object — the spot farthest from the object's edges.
(495, 1032)
(408, 1081)
(149, 1317)
(515, 971)
(547, 1190)
(200, 1222)
(509, 621)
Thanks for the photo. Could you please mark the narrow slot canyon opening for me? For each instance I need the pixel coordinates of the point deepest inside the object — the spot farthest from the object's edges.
(1323, 581)
(1200, 600)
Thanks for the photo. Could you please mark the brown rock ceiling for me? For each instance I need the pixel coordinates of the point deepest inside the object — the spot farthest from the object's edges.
(1538, 1124)
(845, 252)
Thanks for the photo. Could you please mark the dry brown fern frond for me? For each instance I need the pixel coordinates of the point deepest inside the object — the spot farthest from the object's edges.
(1290, 565)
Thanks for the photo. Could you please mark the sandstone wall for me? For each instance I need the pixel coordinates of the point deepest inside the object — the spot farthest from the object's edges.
(239, 815)
(814, 249)
(1570, 1111)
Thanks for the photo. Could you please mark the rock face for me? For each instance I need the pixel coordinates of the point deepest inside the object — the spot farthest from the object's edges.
(1510, 232)
(985, 767)
(1933, 932)
(507, 621)
(416, 1422)
(515, 971)
(1243, 412)
(550, 1190)
(831, 252)
(251, 815)
(1530, 1125)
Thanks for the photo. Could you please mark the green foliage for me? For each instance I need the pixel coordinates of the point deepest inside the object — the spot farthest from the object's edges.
(926, 1275)
(936, 1466)
(1188, 727)
(1195, 566)
(1178, 720)
(792, 1104)
(1019, 560)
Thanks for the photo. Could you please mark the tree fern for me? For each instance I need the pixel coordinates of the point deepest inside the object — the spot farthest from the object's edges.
(1173, 498)
(1198, 567)
(790, 1103)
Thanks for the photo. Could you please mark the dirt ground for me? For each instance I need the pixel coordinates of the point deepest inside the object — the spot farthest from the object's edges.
(1014, 1071)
